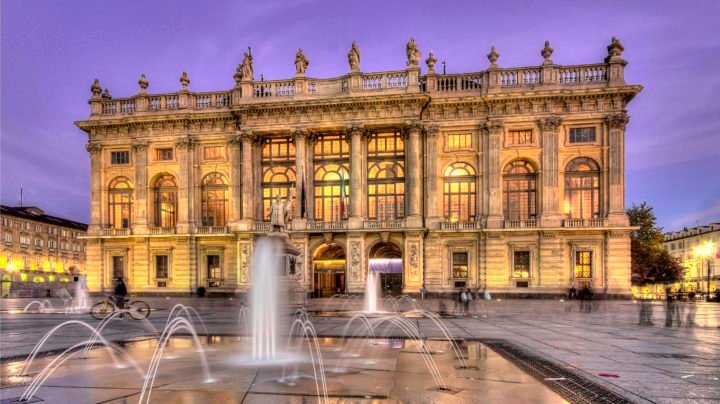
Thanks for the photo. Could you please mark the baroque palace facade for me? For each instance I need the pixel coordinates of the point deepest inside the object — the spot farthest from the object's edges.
(507, 178)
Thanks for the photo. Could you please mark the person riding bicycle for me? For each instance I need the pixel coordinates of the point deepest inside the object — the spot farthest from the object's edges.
(119, 293)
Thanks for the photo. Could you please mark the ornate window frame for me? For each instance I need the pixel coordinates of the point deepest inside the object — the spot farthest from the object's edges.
(532, 270)
(224, 272)
(595, 249)
(534, 133)
(154, 253)
(598, 134)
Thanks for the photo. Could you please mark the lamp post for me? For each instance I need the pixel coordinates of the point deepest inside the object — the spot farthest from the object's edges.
(705, 253)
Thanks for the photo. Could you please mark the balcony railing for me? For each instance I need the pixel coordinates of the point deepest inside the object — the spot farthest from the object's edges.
(520, 224)
(316, 225)
(211, 230)
(452, 225)
(114, 232)
(161, 230)
(262, 226)
(385, 224)
(584, 223)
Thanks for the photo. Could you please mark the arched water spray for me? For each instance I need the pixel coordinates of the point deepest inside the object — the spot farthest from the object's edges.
(307, 332)
(180, 309)
(42, 305)
(443, 328)
(243, 320)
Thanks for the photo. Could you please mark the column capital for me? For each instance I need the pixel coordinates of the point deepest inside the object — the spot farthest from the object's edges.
(140, 146)
(355, 130)
(187, 143)
(234, 140)
(93, 148)
(617, 120)
(246, 135)
(432, 131)
(412, 126)
(300, 133)
(549, 124)
(492, 127)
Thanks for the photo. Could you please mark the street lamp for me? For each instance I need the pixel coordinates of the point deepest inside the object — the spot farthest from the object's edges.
(704, 253)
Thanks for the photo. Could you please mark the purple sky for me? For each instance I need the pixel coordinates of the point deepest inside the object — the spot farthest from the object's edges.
(52, 50)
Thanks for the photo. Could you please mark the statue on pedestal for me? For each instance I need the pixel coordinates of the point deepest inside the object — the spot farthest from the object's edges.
(280, 214)
(413, 53)
(354, 57)
(301, 62)
(246, 67)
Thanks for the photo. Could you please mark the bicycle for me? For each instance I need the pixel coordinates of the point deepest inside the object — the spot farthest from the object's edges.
(137, 309)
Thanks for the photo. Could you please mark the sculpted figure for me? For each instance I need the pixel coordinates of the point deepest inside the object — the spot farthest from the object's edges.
(413, 53)
(301, 62)
(247, 69)
(354, 57)
(280, 213)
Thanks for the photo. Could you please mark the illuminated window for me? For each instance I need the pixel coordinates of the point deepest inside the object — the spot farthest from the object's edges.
(521, 264)
(519, 191)
(460, 265)
(459, 192)
(459, 141)
(332, 177)
(24, 239)
(162, 270)
(119, 203)
(214, 200)
(52, 244)
(386, 176)
(8, 238)
(165, 201)
(582, 189)
(120, 157)
(118, 266)
(583, 264)
(214, 271)
(582, 135)
(278, 165)
(214, 153)
(165, 154)
(520, 137)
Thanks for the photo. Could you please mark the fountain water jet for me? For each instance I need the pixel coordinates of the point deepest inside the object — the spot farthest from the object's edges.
(371, 292)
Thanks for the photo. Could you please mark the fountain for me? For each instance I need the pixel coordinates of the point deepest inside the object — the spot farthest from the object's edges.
(82, 298)
(371, 292)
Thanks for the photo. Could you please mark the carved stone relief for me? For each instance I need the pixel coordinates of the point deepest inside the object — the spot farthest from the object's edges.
(355, 261)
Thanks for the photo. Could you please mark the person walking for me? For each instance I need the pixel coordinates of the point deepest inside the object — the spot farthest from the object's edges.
(692, 310)
(468, 300)
(672, 311)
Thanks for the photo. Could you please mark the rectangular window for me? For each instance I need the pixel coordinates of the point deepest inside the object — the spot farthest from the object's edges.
(582, 135)
(118, 266)
(163, 154)
(38, 228)
(25, 225)
(583, 264)
(521, 264)
(214, 271)
(460, 265)
(520, 137)
(459, 141)
(120, 157)
(52, 230)
(214, 153)
(51, 244)
(38, 242)
(6, 222)
(162, 270)
(24, 240)
(8, 238)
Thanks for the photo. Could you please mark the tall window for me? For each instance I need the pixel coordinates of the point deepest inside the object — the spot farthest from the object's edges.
(214, 200)
(165, 201)
(460, 265)
(119, 203)
(583, 264)
(214, 271)
(521, 264)
(582, 189)
(278, 166)
(520, 137)
(332, 177)
(162, 270)
(386, 176)
(520, 191)
(118, 266)
(459, 192)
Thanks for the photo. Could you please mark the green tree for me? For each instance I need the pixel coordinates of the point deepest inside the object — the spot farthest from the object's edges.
(650, 263)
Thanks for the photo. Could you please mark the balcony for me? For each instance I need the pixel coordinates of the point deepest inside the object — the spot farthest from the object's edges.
(384, 224)
(315, 225)
(453, 225)
(114, 232)
(262, 226)
(211, 230)
(582, 223)
(161, 230)
(521, 224)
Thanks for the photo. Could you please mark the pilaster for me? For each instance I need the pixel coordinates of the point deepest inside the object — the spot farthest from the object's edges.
(550, 214)
(413, 262)
(432, 176)
(95, 151)
(301, 137)
(185, 147)
(357, 188)
(616, 168)
(140, 225)
(234, 148)
(493, 130)
(356, 263)
(248, 183)
(413, 174)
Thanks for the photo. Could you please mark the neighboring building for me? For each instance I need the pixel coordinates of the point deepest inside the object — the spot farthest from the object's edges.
(510, 178)
(698, 248)
(40, 252)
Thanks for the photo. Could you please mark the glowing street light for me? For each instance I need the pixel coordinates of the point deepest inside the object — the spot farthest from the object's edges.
(705, 252)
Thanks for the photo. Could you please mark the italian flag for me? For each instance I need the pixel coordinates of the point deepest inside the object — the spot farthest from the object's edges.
(343, 207)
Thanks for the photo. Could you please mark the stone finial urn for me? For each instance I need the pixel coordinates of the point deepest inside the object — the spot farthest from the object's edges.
(546, 52)
(95, 89)
(143, 83)
(493, 57)
(184, 81)
(430, 61)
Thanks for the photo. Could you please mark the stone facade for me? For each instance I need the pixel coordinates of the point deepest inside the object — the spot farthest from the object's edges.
(698, 248)
(507, 178)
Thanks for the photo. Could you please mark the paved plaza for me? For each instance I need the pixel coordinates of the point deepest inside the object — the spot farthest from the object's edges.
(650, 363)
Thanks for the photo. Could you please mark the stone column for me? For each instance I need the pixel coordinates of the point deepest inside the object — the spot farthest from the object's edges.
(616, 168)
(140, 226)
(431, 186)
(413, 170)
(493, 129)
(357, 194)
(300, 135)
(95, 151)
(248, 197)
(550, 214)
(184, 147)
(234, 143)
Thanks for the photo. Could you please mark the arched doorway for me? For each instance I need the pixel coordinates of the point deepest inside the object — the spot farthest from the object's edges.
(386, 260)
(328, 270)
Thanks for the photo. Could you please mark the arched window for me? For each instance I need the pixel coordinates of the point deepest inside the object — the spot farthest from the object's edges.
(520, 191)
(386, 176)
(331, 161)
(120, 203)
(165, 190)
(459, 192)
(582, 189)
(278, 168)
(214, 200)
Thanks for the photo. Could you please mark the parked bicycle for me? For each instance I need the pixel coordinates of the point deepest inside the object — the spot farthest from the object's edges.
(137, 309)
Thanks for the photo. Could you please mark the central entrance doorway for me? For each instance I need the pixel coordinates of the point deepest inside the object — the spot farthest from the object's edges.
(386, 260)
(328, 270)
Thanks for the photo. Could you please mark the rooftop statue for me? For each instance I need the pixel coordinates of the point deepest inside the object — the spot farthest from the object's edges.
(246, 67)
(413, 53)
(301, 62)
(354, 57)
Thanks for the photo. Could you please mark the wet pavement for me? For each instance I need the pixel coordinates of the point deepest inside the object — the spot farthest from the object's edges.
(644, 363)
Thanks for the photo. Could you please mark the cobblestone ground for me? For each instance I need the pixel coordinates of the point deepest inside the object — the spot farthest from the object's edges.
(652, 363)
